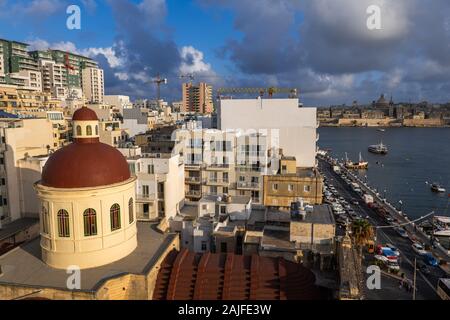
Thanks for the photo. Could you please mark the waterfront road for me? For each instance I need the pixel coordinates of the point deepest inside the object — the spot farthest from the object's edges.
(426, 283)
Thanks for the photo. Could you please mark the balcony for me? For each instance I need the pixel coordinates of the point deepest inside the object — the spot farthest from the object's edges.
(243, 185)
(192, 167)
(218, 182)
(194, 194)
(217, 167)
(194, 180)
(145, 198)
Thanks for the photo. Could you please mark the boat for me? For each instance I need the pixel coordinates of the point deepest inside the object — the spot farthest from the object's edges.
(437, 188)
(361, 164)
(381, 130)
(378, 148)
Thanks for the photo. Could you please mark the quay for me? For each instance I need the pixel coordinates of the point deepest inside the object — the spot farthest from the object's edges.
(402, 218)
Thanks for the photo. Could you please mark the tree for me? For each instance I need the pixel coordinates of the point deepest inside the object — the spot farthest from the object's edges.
(362, 232)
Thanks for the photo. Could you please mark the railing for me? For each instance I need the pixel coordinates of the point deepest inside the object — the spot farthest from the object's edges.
(193, 179)
(247, 185)
(218, 181)
(218, 166)
(145, 197)
(194, 193)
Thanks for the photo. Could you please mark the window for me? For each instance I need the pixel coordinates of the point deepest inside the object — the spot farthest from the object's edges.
(145, 190)
(90, 222)
(241, 179)
(131, 210)
(151, 169)
(213, 190)
(307, 188)
(290, 187)
(204, 246)
(115, 217)
(96, 130)
(88, 130)
(275, 187)
(223, 209)
(45, 221)
(63, 224)
(283, 168)
(79, 131)
(225, 190)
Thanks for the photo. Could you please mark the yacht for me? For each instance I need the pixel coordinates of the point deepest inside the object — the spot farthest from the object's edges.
(378, 148)
(361, 164)
(437, 188)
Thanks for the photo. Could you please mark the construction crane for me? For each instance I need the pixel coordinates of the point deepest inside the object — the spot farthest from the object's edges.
(159, 81)
(293, 93)
(68, 67)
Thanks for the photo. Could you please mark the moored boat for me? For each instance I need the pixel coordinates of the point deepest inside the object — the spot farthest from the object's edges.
(378, 148)
(361, 164)
(437, 188)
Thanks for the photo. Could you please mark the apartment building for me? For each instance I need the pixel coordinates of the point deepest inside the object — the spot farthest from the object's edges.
(21, 140)
(225, 162)
(197, 98)
(111, 133)
(286, 122)
(159, 184)
(21, 101)
(118, 102)
(291, 184)
(93, 84)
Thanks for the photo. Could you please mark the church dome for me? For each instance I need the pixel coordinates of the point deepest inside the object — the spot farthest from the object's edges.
(87, 162)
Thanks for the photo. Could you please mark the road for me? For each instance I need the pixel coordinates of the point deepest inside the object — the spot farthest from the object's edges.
(426, 284)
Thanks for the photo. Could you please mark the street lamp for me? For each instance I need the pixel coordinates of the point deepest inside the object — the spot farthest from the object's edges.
(401, 205)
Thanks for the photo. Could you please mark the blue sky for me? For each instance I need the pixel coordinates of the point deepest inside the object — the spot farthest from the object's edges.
(322, 47)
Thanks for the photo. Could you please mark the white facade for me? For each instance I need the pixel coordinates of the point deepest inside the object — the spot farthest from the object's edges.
(118, 101)
(93, 84)
(21, 140)
(294, 126)
(159, 185)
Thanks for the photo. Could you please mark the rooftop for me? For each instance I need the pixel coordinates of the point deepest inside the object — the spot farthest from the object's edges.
(16, 226)
(233, 199)
(23, 265)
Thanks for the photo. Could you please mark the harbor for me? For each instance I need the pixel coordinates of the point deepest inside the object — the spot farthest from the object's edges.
(351, 189)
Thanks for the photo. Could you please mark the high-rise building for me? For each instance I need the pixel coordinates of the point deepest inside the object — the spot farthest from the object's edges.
(197, 98)
(93, 84)
(17, 66)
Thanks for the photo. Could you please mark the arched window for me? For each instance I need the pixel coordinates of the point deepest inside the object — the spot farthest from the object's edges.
(88, 130)
(115, 217)
(90, 222)
(96, 130)
(45, 221)
(79, 131)
(131, 211)
(63, 224)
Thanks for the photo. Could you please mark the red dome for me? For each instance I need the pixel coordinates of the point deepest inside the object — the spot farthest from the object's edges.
(83, 165)
(84, 114)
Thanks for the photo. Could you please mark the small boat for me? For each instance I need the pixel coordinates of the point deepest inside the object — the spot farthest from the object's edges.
(356, 165)
(378, 148)
(381, 130)
(437, 188)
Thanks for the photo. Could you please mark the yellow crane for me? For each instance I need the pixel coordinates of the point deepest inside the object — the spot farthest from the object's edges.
(293, 93)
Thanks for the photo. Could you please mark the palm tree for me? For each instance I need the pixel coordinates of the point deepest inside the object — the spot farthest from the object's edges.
(362, 232)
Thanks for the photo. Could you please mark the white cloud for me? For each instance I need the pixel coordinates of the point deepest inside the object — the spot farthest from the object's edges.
(108, 52)
(192, 61)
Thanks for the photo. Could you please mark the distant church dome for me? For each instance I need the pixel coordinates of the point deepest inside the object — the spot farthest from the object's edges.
(86, 162)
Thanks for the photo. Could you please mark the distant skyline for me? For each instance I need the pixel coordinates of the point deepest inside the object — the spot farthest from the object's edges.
(322, 47)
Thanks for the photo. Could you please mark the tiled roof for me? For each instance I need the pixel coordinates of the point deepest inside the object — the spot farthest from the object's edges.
(187, 275)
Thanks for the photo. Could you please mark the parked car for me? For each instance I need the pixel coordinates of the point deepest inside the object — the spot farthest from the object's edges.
(393, 248)
(423, 268)
(418, 248)
(402, 232)
(430, 259)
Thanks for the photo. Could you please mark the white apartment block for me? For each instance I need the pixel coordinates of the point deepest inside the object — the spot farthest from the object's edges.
(2, 63)
(93, 85)
(295, 127)
(226, 162)
(159, 184)
(24, 147)
(54, 78)
(118, 102)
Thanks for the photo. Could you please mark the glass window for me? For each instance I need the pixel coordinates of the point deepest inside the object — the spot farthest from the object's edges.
(307, 188)
(88, 130)
(90, 222)
(275, 186)
(115, 217)
(63, 224)
(290, 187)
(96, 130)
(131, 211)
(79, 133)
(45, 221)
